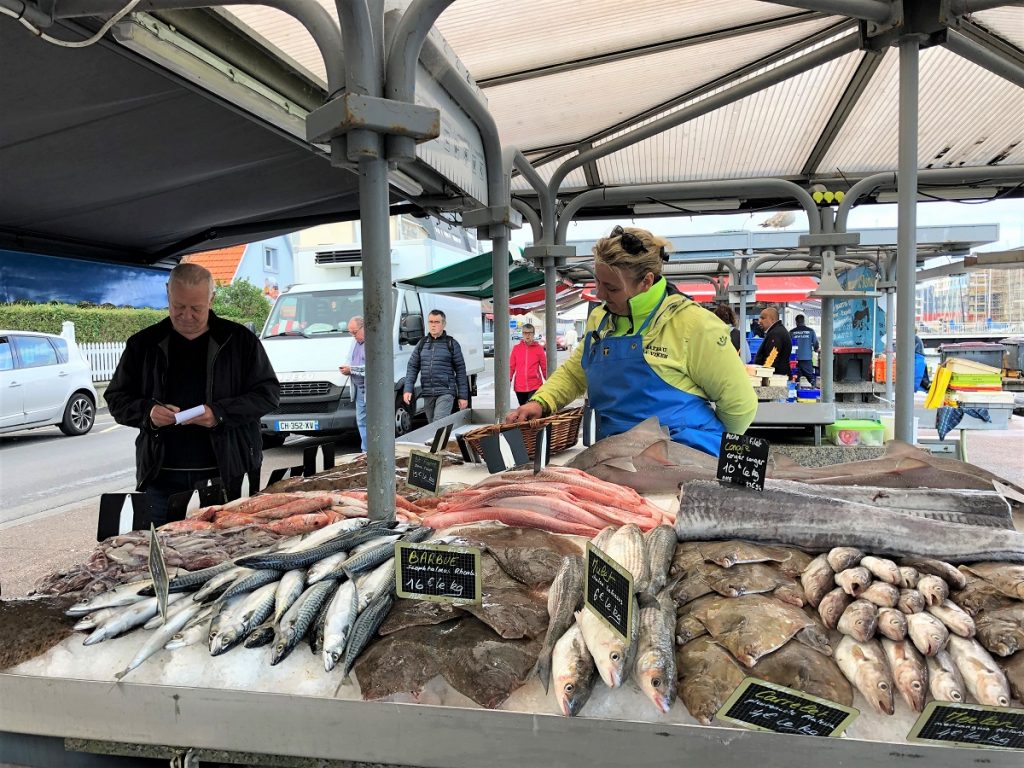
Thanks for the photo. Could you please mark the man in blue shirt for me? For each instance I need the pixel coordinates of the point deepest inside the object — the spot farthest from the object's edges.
(806, 341)
(356, 371)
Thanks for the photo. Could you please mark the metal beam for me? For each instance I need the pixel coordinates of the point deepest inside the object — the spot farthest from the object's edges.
(869, 10)
(960, 7)
(984, 56)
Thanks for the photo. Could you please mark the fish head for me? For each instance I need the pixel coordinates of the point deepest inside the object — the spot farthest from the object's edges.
(331, 658)
(991, 691)
(881, 693)
(657, 680)
(572, 690)
(611, 662)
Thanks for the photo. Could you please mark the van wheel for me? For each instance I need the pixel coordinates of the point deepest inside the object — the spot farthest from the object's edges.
(273, 439)
(403, 416)
(79, 415)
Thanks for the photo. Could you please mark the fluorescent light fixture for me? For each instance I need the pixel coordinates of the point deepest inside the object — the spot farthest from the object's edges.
(403, 182)
(724, 204)
(943, 193)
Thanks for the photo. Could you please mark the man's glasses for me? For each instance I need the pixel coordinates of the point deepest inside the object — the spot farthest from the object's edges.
(631, 244)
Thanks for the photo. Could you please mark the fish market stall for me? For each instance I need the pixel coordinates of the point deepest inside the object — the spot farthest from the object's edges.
(858, 597)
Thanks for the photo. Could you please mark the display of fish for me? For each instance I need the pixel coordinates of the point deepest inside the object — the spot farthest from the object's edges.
(708, 674)
(928, 634)
(655, 666)
(1001, 630)
(909, 671)
(573, 671)
(865, 666)
(982, 676)
(817, 579)
(1007, 579)
(945, 683)
(565, 597)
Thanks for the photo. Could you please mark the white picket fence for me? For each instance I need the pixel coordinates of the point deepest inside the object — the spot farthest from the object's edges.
(103, 358)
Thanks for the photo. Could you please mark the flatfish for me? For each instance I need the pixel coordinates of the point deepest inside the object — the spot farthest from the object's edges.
(708, 674)
(797, 666)
(418, 613)
(1014, 669)
(530, 556)
(32, 626)
(486, 667)
(402, 662)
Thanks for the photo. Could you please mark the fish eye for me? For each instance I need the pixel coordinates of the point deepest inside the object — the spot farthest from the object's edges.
(916, 685)
(569, 687)
(656, 682)
(883, 685)
(615, 656)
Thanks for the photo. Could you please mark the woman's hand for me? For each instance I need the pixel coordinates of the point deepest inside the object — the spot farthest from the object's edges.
(532, 410)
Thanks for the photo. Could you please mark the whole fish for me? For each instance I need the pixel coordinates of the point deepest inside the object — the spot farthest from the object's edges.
(928, 634)
(163, 634)
(289, 588)
(908, 577)
(346, 540)
(865, 666)
(128, 617)
(627, 549)
(909, 671)
(1008, 579)
(938, 567)
(189, 581)
(841, 558)
(118, 597)
(882, 594)
(957, 620)
(934, 589)
(661, 548)
(944, 680)
(1001, 631)
(251, 611)
(707, 510)
(371, 585)
(892, 624)
(316, 632)
(751, 579)
(366, 627)
(854, 580)
(911, 601)
(374, 556)
(708, 674)
(298, 618)
(215, 586)
(573, 671)
(192, 633)
(655, 666)
(882, 569)
(94, 619)
(565, 597)
(859, 620)
(983, 677)
(321, 535)
(797, 666)
(341, 615)
(323, 569)
(979, 596)
(250, 582)
(817, 579)
(607, 648)
(832, 607)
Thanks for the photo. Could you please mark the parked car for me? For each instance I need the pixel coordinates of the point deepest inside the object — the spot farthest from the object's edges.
(44, 381)
(488, 343)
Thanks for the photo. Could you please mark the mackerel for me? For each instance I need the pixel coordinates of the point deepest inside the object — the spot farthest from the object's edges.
(366, 627)
(296, 622)
(118, 597)
(191, 633)
(709, 511)
(128, 617)
(289, 588)
(325, 569)
(372, 584)
(213, 588)
(316, 632)
(374, 556)
(303, 558)
(564, 598)
(251, 582)
(191, 580)
(341, 615)
(252, 611)
(327, 533)
(163, 634)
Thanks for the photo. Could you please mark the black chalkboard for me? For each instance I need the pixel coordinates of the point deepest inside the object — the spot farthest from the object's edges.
(424, 471)
(504, 450)
(437, 572)
(743, 460)
(608, 591)
(158, 572)
(764, 706)
(970, 725)
(122, 512)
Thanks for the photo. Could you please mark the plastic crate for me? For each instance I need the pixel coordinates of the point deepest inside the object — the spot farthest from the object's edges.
(855, 432)
(1013, 353)
(851, 364)
(978, 351)
(754, 343)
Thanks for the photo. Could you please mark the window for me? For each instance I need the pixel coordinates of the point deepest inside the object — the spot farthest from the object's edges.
(270, 259)
(34, 351)
(6, 356)
(62, 349)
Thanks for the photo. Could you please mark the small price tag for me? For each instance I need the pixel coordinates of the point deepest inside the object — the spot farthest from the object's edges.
(970, 725)
(743, 460)
(764, 706)
(608, 591)
(158, 571)
(438, 573)
(424, 471)
(504, 450)
(541, 448)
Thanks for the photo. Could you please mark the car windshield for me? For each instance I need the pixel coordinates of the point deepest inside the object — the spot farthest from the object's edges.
(314, 313)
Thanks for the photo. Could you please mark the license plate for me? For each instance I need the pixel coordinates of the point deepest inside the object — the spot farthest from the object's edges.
(298, 426)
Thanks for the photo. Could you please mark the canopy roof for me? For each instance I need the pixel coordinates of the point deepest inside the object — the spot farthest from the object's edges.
(473, 278)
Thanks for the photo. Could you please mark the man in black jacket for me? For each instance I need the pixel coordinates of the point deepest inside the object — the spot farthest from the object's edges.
(777, 345)
(193, 360)
(438, 360)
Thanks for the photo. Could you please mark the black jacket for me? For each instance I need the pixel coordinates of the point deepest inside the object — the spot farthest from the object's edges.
(240, 388)
(776, 337)
(441, 366)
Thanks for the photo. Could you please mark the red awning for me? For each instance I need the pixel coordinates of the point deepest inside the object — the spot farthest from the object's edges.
(525, 303)
(779, 288)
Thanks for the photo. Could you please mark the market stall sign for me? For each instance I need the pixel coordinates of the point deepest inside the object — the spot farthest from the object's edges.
(438, 572)
(158, 572)
(970, 725)
(608, 591)
(441, 438)
(120, 513)
(541, 448)
(743, 460)
(424, 471)
(504, 450)
(764, 706)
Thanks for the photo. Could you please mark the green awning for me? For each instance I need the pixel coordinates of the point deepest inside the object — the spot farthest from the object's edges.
(473, 278)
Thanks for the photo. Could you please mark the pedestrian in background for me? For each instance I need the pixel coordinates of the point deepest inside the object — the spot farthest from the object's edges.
(806, 341)
(724, 313)
(571, 338)
(356, 372)
(193, 359)
(777, 346)
(437, 360)
(528, 365)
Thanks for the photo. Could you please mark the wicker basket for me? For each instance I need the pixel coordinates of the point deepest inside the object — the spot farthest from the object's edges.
(565, 431)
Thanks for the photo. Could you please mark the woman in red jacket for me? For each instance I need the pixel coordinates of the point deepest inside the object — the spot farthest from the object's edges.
(528, 365)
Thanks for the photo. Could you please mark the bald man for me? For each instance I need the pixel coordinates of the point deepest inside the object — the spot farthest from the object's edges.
(777, 345)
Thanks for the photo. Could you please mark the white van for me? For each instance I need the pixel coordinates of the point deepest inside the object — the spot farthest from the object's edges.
(306, 337)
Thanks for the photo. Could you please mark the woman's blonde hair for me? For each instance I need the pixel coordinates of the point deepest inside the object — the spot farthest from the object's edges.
(635, 251)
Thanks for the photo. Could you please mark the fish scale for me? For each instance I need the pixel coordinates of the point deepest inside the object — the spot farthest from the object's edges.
(306, 557)
(251, 582)
(298, 619)
(564, 598)
(366, 627)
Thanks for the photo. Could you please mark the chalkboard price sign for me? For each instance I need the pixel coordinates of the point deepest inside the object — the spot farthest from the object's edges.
(424, 471)
(438, 573)
(608, 591)
(158, 571)
(970, 725)
(743, 460)
(764, 706)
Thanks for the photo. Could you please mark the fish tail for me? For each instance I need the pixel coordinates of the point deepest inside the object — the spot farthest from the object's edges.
(543, 668)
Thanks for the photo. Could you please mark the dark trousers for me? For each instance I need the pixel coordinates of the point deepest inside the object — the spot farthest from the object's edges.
(806, 369)
(524, 397)
(169, 482)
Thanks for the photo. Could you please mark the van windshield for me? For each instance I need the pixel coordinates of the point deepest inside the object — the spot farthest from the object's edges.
(315, 313)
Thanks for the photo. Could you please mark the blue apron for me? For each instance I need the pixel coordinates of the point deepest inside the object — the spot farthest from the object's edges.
(625, 390)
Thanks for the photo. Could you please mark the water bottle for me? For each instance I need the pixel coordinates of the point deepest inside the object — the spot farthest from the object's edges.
(791, 392)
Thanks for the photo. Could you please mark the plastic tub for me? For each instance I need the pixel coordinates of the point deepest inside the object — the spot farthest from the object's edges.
(978, 351)
(855, 432)
(1013, 353)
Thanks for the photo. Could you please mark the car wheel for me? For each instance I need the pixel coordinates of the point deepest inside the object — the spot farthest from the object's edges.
(273, 439)
(79, 415)
(403, 416)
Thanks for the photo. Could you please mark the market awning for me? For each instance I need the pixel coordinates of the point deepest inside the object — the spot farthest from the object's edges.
(780, 289)
(565, 296)
(473, 278)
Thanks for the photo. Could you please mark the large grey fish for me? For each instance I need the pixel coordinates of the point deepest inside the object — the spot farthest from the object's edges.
(162, 635)
(366, 627)
(909, 671)
(341, 615)
(573, 671)
(128, 617)
(661, 548)
(709, 511)
(983, 677)
(298, 619)
(865, 666)
(285, 561)
(655, 666)
(1008, 579)
(118, 597)
(565, 597)
(289, 588)
(944, 680)
(1001, 630)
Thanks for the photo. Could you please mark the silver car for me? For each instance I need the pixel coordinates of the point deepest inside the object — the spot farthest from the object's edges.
(44, 381)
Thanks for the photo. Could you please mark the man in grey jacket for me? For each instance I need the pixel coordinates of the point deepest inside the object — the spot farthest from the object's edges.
(438, 360)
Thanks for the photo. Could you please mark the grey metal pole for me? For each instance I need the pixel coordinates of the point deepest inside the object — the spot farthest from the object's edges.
(870, 10)
(985, 57)
(890, 327)
(502, 337)
(531, 216)
(550, 316)
(906, 238)
(826, 356)
(744, 275)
